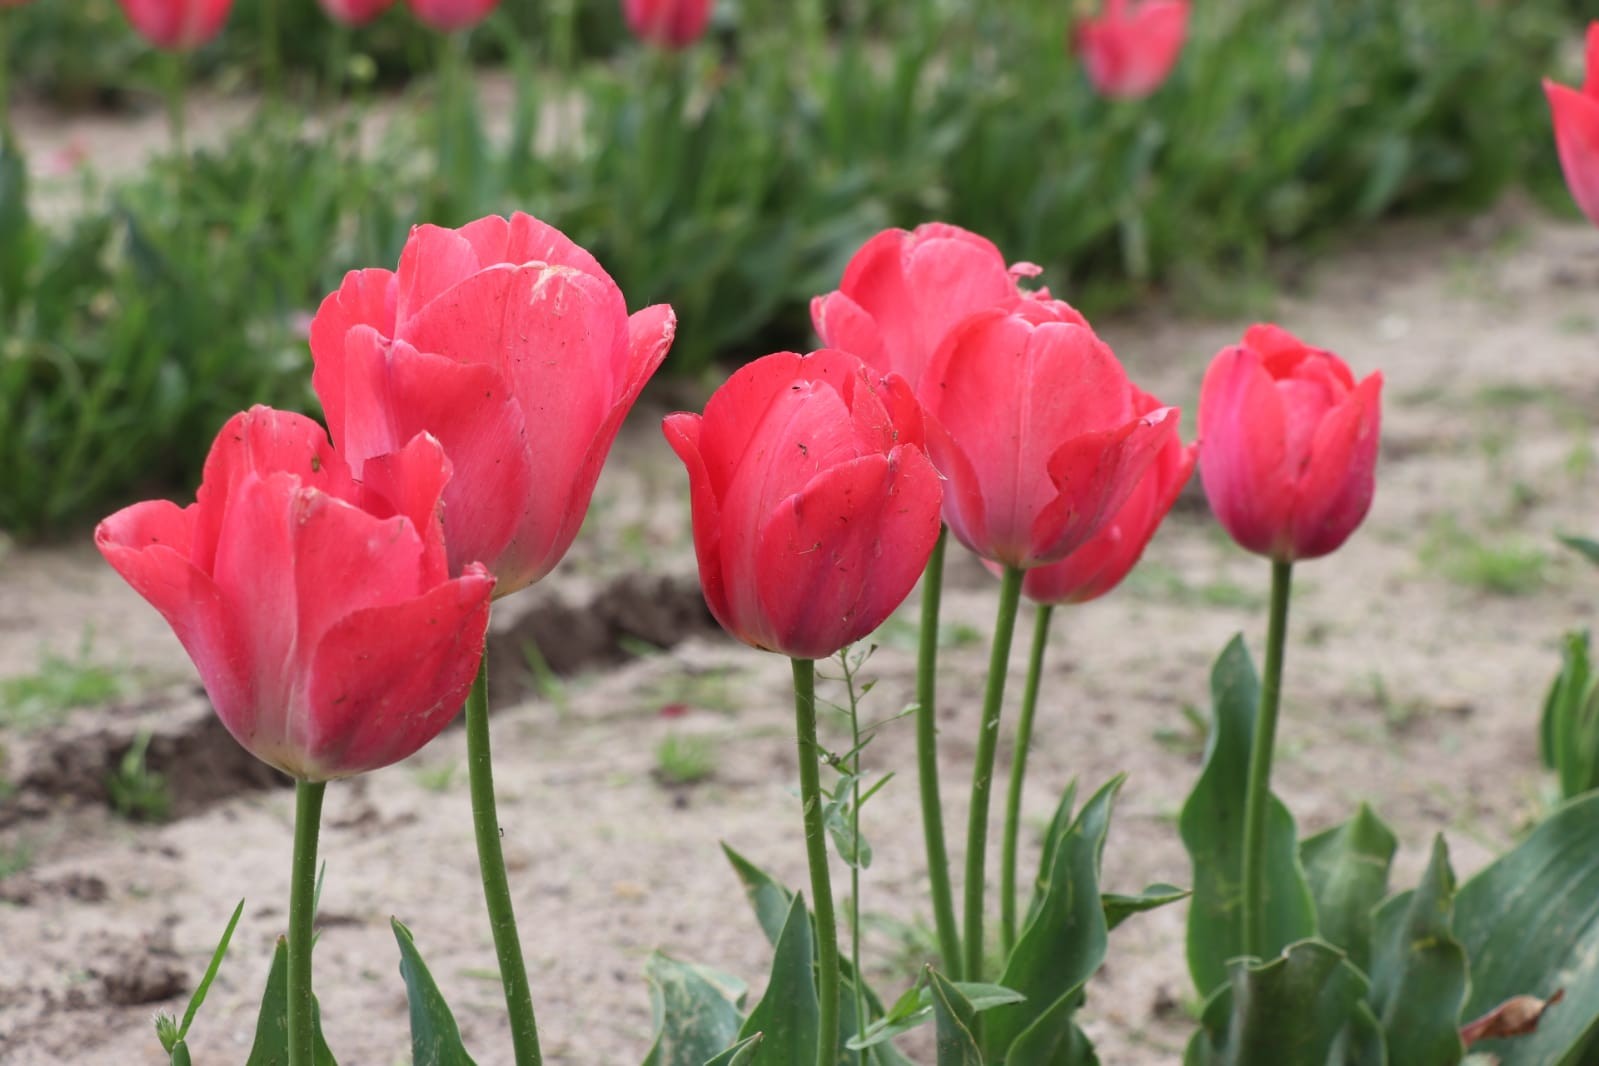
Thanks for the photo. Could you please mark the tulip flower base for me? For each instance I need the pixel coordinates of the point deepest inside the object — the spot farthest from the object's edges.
(1412, 686)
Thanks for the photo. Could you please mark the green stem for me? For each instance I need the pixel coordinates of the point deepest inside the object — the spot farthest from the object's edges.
(175, 89)
(1018, 773)
(858, 985)
(491, 864)
(949, 944)
(1258, 802)
(5, 70)
(302, 916)
(816, 856)
(1010, 595)
(271, 75)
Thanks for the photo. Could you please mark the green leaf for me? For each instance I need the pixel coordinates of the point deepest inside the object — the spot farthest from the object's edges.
(915, 1007)
(1587, 547)
(696, 1011)
(1347, 868)
(1063, 942)
(1569, 730)
(1418, 973)
(1118, 908)
(1290, 1011)
(435, 1038)
(788, 1014)
(271, 1046)
(1212, 826)
(210, 973)
(1530, 924)
(740, 1054)
(956, 1018)
(1059, 826)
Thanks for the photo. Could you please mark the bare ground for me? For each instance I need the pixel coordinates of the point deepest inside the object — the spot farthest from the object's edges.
(1412, 685)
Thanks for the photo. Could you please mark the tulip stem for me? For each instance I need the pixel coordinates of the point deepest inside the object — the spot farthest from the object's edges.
(1258, 800)
(175, 89)
(302, 916)
(5, 76)
(949, 945)
(491, 864)
(271, 78)
(1018, 773)
(816, 856)
(858, 985)
(1010, 595)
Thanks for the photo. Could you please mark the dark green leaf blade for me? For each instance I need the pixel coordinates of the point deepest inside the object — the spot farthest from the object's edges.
(435, 1038)
(740, 1054)
(696, 1011)
(1118, 907)
(1290, 1011)
(271, 1045)
(1212, 827)
(1347, 868)
(955, 1019)
(788, 1013)
(1587, 547)
(1418, 972)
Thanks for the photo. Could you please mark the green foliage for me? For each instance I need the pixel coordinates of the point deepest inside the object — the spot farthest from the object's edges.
(59, 684)
(137, 792)
(1419, 973)
(1347, 869)
(685, 759)
(271, 1045)
(1568, 734)
(435, 1038)
(787, 1015)
(171, 1032)
(696, 1011)
(1212, 826)
(957, 1019)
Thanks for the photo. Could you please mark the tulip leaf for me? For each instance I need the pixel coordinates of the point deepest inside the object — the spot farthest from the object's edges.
(271, 1046)
(1587, 547)
(1118, 908)
(956, 1017)
(1418, 971)
(1347, 868)
(788, 1014)
(696, 1011)
(1291, 1011)
(740, 1054)
(1062, 944)
(1569, 731)
(1212, 827)
(1530, 926)
(1059, 826)
(915, 1007)
(435, 1038)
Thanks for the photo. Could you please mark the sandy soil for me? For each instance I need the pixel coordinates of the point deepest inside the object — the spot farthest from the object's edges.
(1411, 685)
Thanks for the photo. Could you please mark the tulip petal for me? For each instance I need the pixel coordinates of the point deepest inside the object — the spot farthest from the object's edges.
(1243, 449)
(529, 240)
(1576, 120)
(385, 680)
(683, 432)
(843, 324)
(1095, 473)
(1333, 495)
(828, 580)
(433, 261)
(366, 298)
(410, 484)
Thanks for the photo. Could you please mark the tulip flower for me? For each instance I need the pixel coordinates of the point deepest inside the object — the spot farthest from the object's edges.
(448, 15)
(1110, 555)
(1033, 422)
(903, 293)
(318, 609)
(1130, 48)
(177, 25)
(668, 23)
(514, 348)
(355, 12)
(1287, 445)
(1576, 118)
(814, 504)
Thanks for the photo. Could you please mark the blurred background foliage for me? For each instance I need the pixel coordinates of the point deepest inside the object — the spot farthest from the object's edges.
(732, 180)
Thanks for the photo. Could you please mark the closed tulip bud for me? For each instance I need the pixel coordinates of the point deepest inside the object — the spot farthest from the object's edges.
(319, 610)
(1132, 46)
(1110, 555)
(815, 508)
(903, 293)
(1287, 445)
(513, 347)
(1576, 117)
(1032, 421)
(447, 15)
(355, 12)
(177, 25)
(668, 23)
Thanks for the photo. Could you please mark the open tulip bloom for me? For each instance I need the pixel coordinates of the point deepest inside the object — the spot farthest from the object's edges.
(1131, 47)
(1576, 118)
(355, 12)
(177, 25)
(668, 23)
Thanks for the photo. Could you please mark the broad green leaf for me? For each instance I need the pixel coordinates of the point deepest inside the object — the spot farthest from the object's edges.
(740, 1054)
(1530, 925)
(1569, 730)
(788, 1014)
(955, 1018)
(1054, 1040)
(1347, 868)
(1059, 826)
(696, 1011)
(1063, 942)
(1118, 908)
(1290, 1011)
(1212, 826)
(1587, 547)
(15, 247)
(271, 1046)
(1418, 971)
(435, 1038)
(915, 1007)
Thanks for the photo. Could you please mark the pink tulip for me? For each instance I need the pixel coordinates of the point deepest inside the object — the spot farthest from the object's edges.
(815, 507)
(1131, 47)
(177, 25)
(355, 12)
(447, 15)
(1576, 117)
(669, 23)
(318, 609)
(1032, 421)
(1287, 445)
(1110, 555)
(512, 346)
(903, 292)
